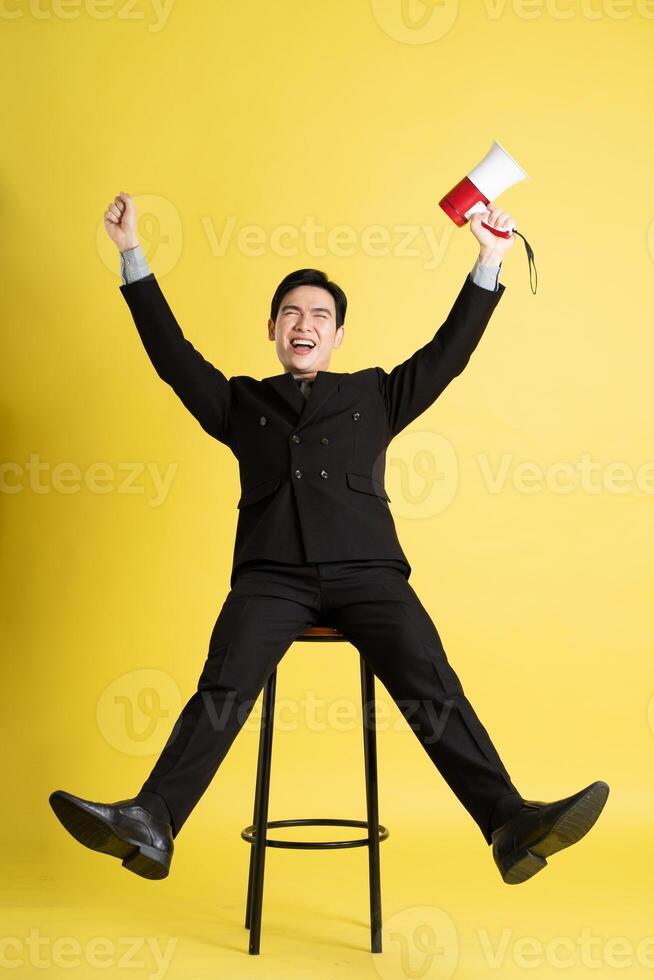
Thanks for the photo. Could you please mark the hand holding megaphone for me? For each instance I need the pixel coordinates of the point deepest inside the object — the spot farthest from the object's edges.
(493, 228)
(472, 196)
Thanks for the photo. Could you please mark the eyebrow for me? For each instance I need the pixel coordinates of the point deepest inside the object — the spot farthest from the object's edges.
(315, 309)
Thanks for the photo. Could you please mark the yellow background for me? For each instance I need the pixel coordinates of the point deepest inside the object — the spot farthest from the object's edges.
(273, 114)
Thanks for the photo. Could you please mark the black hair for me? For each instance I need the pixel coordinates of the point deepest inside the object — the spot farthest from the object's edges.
(310, 277)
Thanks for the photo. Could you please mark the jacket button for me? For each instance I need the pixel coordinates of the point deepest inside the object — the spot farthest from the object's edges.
(298, 474)
(325, 441)
(263, 420)
(295, 438)
(356, 416)
(324, 474)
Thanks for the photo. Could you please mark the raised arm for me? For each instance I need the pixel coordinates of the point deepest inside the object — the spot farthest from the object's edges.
(412, 386)
(202, 388)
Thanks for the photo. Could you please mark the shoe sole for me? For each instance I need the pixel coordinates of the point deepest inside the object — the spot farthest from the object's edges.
(570, 827)
(97, 834)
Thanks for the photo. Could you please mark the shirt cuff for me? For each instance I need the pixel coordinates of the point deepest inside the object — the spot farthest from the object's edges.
(133, 264)
(486, 276)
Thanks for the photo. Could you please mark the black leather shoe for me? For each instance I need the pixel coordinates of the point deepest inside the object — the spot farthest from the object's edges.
(539, 829)
(121, 829)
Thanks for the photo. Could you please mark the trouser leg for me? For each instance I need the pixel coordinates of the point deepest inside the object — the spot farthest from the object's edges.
(383, 617)
(253, 630)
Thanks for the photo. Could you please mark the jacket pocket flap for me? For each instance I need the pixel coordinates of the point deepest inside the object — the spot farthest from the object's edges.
(257, 492)
(359, 482)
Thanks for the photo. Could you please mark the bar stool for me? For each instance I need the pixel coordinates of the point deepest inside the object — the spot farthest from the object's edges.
(256, 833)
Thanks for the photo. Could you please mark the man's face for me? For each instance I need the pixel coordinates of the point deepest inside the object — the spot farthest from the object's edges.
(306, 313)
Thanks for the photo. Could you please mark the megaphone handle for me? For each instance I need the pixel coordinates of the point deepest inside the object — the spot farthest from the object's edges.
(496, 231)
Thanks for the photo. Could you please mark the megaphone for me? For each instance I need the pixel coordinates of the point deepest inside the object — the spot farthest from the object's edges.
(494, 174)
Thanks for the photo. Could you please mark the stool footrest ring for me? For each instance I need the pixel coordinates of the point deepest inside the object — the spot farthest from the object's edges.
(249, 833)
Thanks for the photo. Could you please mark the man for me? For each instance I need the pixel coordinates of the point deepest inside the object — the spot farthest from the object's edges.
(316, 542)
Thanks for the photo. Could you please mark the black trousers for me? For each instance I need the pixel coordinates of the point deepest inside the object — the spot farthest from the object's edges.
(376, 608)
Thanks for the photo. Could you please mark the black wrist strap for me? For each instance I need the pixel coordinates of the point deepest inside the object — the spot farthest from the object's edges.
(530, 260)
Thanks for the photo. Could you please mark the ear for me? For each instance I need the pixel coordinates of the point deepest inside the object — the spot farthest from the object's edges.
(339, 336)
(271, 329)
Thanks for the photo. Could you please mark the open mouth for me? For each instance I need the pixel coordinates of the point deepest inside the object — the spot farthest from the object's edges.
(303, 347)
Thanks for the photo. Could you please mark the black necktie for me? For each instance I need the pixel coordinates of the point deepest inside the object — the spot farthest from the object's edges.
(305, 386)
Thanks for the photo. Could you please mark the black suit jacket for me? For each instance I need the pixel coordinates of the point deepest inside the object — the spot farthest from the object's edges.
(312, 470)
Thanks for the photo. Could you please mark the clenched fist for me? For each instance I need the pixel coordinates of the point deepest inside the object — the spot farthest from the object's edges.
(120, 222)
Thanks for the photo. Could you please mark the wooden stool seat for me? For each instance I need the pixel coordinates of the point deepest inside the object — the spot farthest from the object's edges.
(321, 633)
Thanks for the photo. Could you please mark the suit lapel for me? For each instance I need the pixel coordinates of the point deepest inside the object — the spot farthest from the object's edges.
(325, 383)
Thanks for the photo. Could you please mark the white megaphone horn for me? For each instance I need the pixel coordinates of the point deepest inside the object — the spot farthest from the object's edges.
(496, 172)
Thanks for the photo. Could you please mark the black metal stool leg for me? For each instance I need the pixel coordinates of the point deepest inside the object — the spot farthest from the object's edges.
(255, 816)
(370, 757)
(258, 854)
